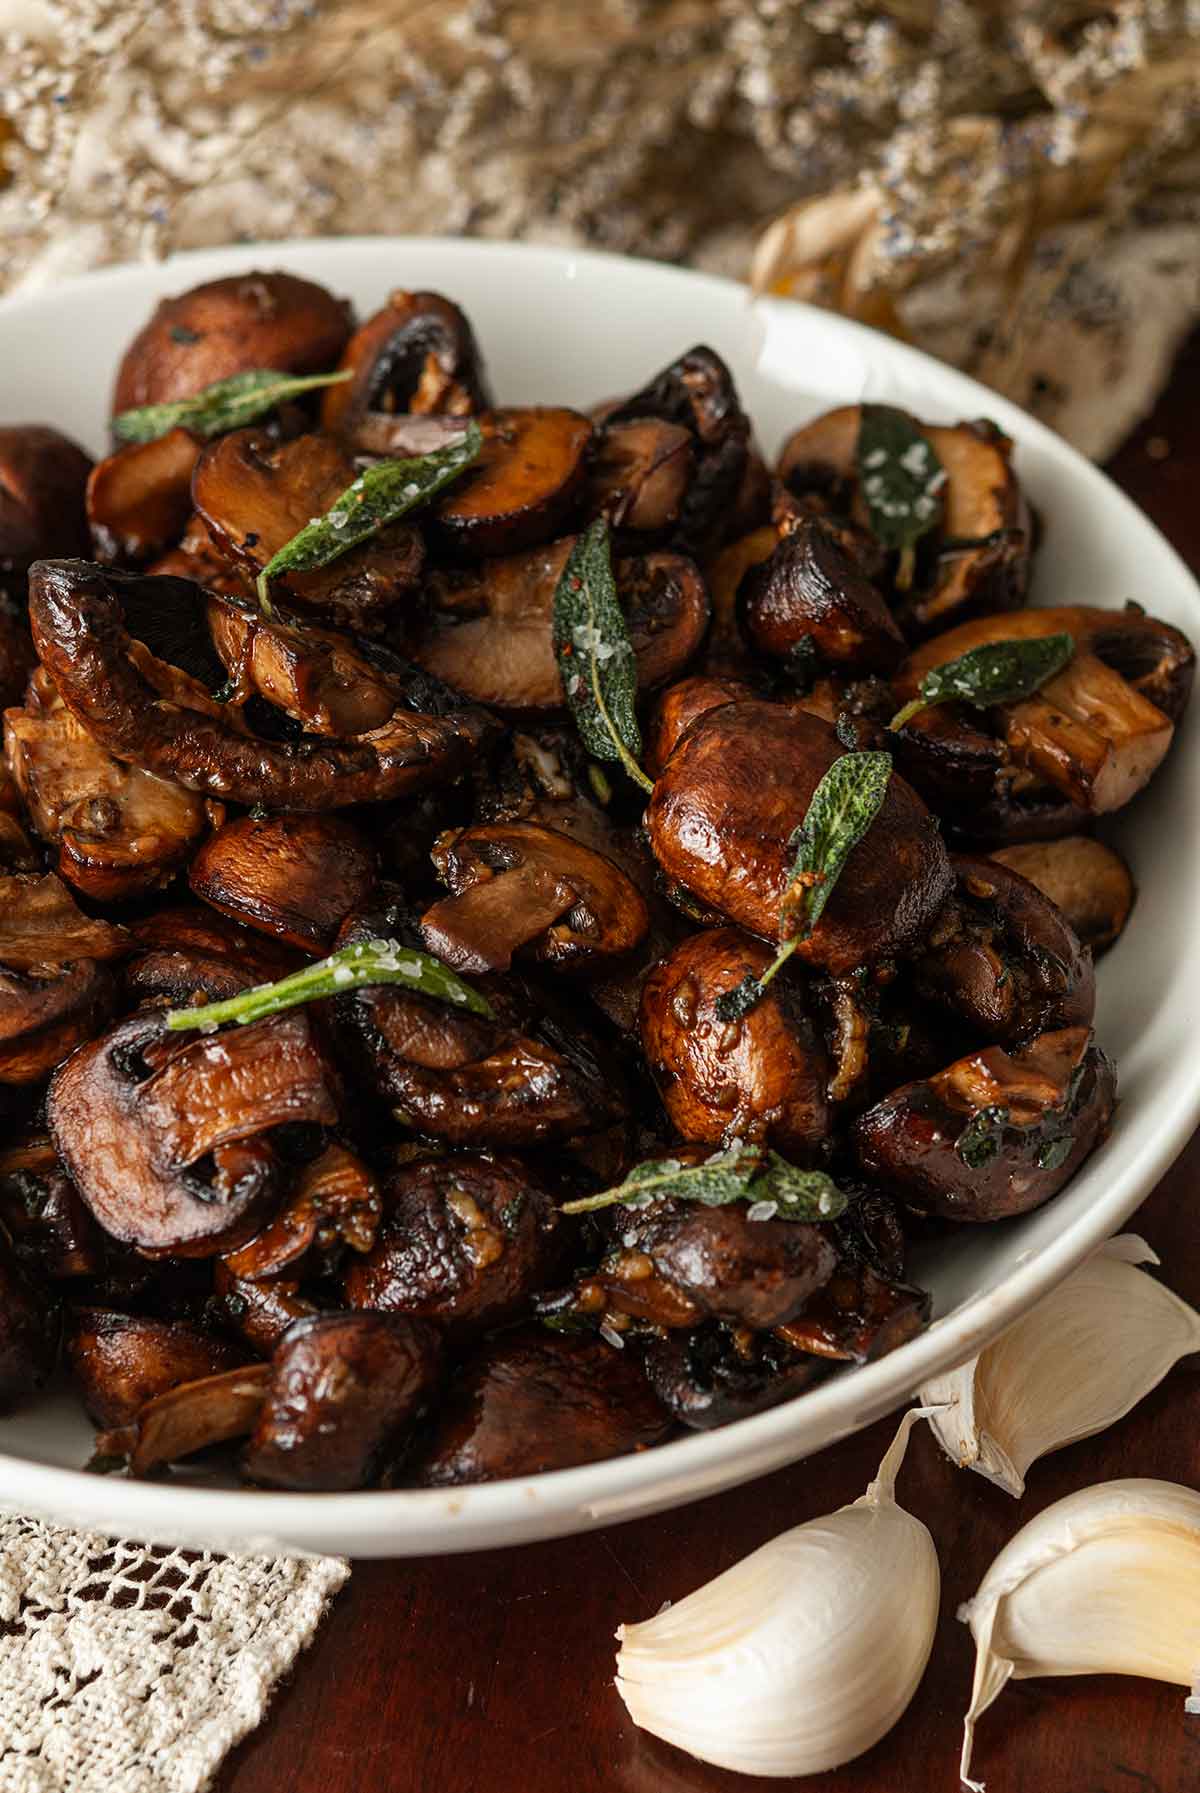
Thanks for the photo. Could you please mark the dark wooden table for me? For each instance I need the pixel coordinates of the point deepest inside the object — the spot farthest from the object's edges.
(493, 1673)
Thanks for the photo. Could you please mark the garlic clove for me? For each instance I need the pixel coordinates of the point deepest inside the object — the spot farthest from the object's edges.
(1076, 1363)
(803, 1655)
(1106, 1581)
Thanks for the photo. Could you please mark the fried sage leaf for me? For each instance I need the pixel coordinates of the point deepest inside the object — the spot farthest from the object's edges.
(368, 962)
(843, 807)
(382, 494)
(226, 405)
(999, 672)
(776, 1189)
(595, 656)
(900, 478)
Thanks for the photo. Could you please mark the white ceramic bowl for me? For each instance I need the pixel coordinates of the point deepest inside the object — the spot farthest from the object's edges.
(564, 327)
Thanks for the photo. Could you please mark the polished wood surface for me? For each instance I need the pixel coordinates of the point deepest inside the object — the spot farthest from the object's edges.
(492, 1673)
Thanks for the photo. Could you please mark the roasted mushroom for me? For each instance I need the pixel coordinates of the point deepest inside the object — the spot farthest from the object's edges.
(316, 676)
(1089, 882)
(810, 604)
(258, 1312)
(994, 1134)
(417, 356)
(56, 988)
(713, 1374)
(723, 810)
(640, 474)
(335, 1204)
(761, 1078)
(532, 1400)
(139, 499)
(191, 1417)
(26, 1331)
(293, 877)
(523, 488)
(42, 479)
(122, 1361)
(228, 327)
(344, 1394)
(678, 708)
(180, 954)
(51, 1231)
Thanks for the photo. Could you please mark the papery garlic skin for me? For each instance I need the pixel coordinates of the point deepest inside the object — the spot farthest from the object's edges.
(803, 1655)
(1105, 1582)
(1077, 1362)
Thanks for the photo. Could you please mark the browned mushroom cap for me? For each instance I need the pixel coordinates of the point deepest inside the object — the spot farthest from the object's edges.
(50, 1229)
(188, 951)
(54, 989)
(698, 394)
(1004, 959)
(228, 327)
(640, 473)
(719, 821)
(41, 924)
(761, 1078)
(316, 676)
(533, 1400)
(516, 885)
(191, 1417)
(293, 877)
(167, 1137)
(80, 632)
(42, 479)
(418, 355)
(811, 596)
(259, 1312)
(727, 652)
(120, 832)
(1089, 882)
(524, 486)
(255, 494)
(140, 498)
(713, 1374)
(986, 528)
(196, 556)
(529, 1076)
(994, 1134)
(1091, 737)
(466, 1240)
(335, 1203)
(121, 1361)
(345, 1392)
(678, 708)
(26, 1334)
(858, 1316)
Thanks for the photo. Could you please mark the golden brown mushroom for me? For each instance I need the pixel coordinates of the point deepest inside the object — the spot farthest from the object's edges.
(295, 878)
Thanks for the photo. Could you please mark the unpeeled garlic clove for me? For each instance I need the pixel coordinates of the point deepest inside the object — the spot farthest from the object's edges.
(1105, 1582)
(1075, 1363)
(804, 1654)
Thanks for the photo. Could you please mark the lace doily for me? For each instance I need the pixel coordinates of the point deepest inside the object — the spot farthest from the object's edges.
(126, 1668)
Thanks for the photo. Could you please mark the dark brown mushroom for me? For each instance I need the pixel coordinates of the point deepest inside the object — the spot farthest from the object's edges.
(80, 630)
(196, 556)
(678, 708)
(722, 813)
(810, 598)
(122, 1361)
(139, 499)
(335, 1204)
(227, 327)
(26, 1331)
(727, 653)
(523, 488)
(994, 1134)
(167, 1136)
(43, 476)
(119, 832)
(293, 877)
(51, 1231)
(56, 989)
(188, 952)
(858, 1316)
(316, 676)
(41, 925)
(255, 494)
(531, 1401)
(714, 1374)
(519, 887)
(191, 1417)
(761, 1078)
(1088, 881)
(418, 356)
(258, 1312)
(345, 1392)
(487, 630)
(640, 474)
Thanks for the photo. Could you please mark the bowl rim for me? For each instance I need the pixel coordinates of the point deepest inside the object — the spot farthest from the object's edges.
(698, 1463)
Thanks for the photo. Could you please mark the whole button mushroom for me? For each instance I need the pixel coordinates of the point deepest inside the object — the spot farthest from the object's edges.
(43, 476)
(811, 596)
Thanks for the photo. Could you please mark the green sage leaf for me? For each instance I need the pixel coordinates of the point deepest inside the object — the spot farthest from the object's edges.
(367, 962)
(900, 478)
(595, 657)
(998, 672)
(752, 1174)
(226, 405)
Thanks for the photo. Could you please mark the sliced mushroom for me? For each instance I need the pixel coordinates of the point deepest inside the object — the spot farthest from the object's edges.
(1004, 960)
(714, 1373)
(524, 486)
(994, 1134)
(316, 676)
(51, 1231)
(678, 708)
(761, 1078)
(189, 952)
(336, 1203)
(227, 327)
(47, 1011)
(139, 499)
(26, 1331)
(533, 1400)
(1089, 882)
(258, 1312)
(168, 1138)
(43, 476)
(79, 627)
(722, 813)
(255, 494)
(345, 1392)
(196, 556)
(120, 832)
(41, 924)
(293, 877)
(810, 598)
(418, 355)
(122, 1361)
(191, 1417)
(640, 474)
(487, 630)
(516, 885)
(466, 1241)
